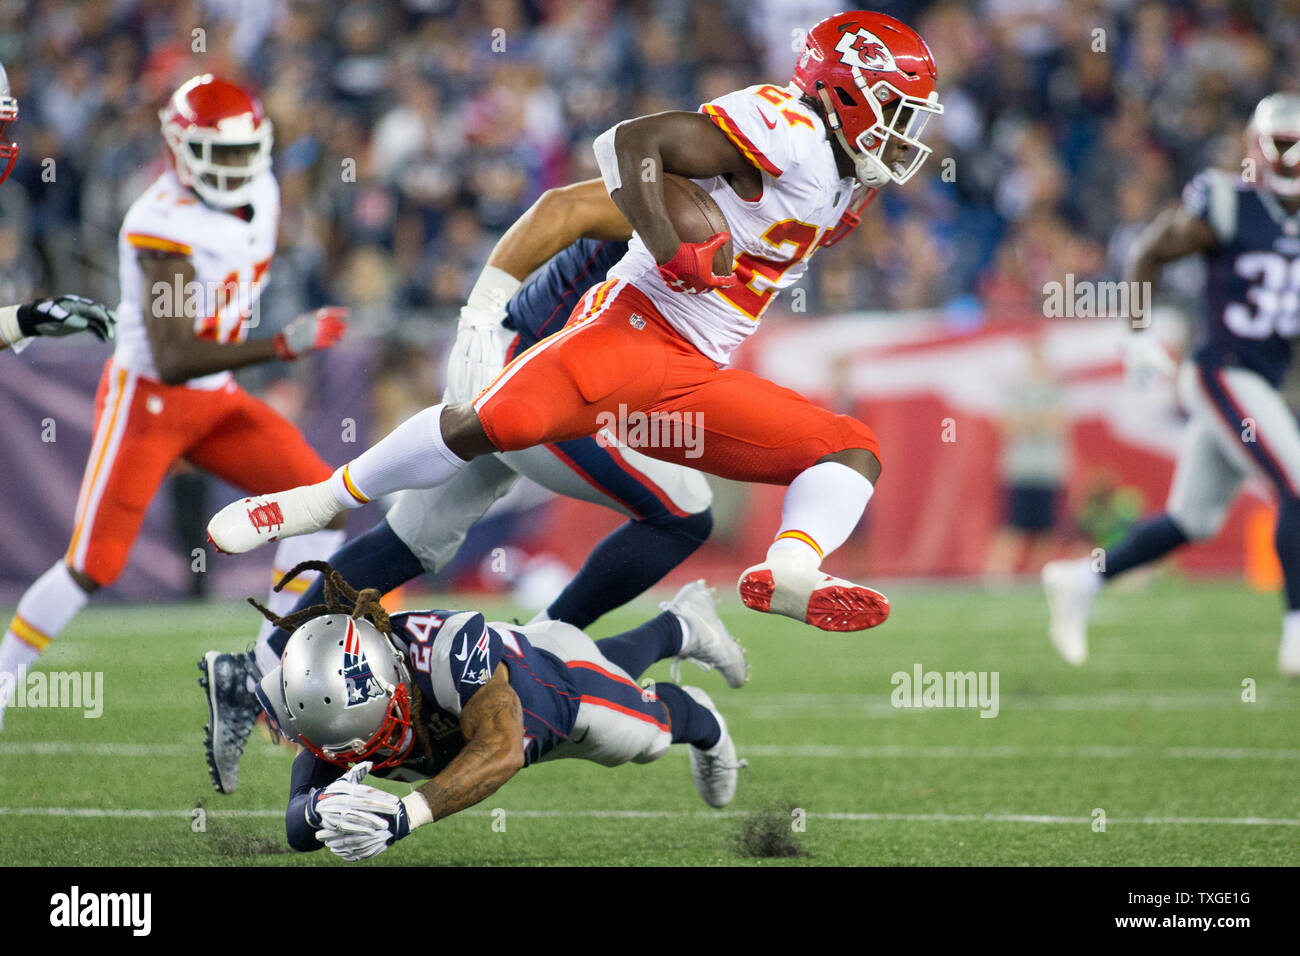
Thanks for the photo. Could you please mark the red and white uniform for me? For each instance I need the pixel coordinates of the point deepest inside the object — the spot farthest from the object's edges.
(143, 426)
(633, 345)
(773, 236)
(231, 257)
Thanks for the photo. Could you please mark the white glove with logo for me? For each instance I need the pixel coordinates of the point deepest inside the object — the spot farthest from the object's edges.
(479, 352)
(1145, 360)
(357, 821)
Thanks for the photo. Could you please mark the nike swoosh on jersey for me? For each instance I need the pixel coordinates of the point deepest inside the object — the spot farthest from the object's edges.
(771, 124)
(464, 647)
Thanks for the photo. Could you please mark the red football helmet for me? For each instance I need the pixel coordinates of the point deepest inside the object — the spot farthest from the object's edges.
(8, 114)
(876, 80)
(220, 140)
(1275, 129)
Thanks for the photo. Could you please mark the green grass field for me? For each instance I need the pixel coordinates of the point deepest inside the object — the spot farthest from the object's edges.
(1153, 731)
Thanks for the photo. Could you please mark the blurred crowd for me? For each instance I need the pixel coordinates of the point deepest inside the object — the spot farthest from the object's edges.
(410, 133)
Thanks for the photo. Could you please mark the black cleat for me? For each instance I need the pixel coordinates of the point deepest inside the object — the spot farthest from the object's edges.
(232, 711)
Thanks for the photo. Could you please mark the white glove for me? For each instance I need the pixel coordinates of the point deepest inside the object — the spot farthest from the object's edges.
(478, 354)
(356, 819)
(1145, 360)
(355, 846)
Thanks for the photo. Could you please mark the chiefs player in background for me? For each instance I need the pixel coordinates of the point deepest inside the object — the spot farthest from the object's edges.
(61, 315)
(194, 251)
(787, 166)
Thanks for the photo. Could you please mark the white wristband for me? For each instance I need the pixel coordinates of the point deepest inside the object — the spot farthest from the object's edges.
(417, 809)
(10, 333)
(607, 158)
(494, 288)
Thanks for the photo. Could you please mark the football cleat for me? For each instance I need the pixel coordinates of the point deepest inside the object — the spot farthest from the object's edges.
(232, 711)
(252, 522)
(1069, 586)
(710, 644)
(716, 770)
(1288, 656)
(806, 593)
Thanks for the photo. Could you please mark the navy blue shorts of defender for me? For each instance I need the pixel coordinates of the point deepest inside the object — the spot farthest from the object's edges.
(543, 305)
(600, 687)
(546, 694)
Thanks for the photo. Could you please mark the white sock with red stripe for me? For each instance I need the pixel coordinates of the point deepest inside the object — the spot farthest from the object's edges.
(822, 507)
(45, 610)
(412, 455)
(319, 546)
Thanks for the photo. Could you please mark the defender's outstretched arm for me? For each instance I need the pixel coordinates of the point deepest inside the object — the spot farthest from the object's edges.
(558, 219)
(54, 317)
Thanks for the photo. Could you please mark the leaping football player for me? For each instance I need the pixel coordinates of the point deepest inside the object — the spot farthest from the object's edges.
(1248, 234)
(464, 703)
(57, 316)
(194, 251)
(573, 235)
(787, 166)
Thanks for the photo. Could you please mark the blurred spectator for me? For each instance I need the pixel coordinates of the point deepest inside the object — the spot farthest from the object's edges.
(1067, 126)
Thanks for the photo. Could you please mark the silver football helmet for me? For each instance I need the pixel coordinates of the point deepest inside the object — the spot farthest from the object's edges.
(342, 690)
(1275, 127)
(8, 114)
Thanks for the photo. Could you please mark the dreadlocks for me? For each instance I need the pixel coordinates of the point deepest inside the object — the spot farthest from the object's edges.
(341, 598)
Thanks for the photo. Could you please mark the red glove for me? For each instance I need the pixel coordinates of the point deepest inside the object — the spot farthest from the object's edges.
(311, 331)
(691, 269)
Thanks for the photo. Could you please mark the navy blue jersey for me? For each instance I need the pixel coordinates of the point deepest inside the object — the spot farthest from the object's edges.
(1252, 289)
(453, 653)
(544, 304)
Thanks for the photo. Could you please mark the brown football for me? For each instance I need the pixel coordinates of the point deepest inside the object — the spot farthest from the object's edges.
(696, 217)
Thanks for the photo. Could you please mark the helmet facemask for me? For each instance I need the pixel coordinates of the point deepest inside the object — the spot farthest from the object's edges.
(386, 747)
(8, 114)
(1275, 130)
(899, 118)
(1282, 158)
(222, 166)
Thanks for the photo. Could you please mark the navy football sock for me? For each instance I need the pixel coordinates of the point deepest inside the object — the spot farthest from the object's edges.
(1287, 542)
(376, 559)
(637, 649)
(1145, 541)
(693, 723)
(628, 561)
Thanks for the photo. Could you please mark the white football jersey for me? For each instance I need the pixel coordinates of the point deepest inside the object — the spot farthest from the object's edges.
(773, 236)
(231, 258)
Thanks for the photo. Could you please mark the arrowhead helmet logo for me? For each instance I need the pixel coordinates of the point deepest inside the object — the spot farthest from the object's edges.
(357, 675)
(866, 51)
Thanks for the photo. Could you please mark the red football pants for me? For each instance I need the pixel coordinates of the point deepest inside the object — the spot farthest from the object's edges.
(617, 358)
(142, 427)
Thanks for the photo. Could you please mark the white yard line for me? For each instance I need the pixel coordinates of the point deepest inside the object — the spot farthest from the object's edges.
(847, 816)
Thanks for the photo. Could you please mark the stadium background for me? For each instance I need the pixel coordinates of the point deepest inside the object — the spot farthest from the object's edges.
(457, 115)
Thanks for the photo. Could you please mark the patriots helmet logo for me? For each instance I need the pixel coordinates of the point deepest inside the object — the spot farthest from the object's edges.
(357, 675)
(866, 51)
